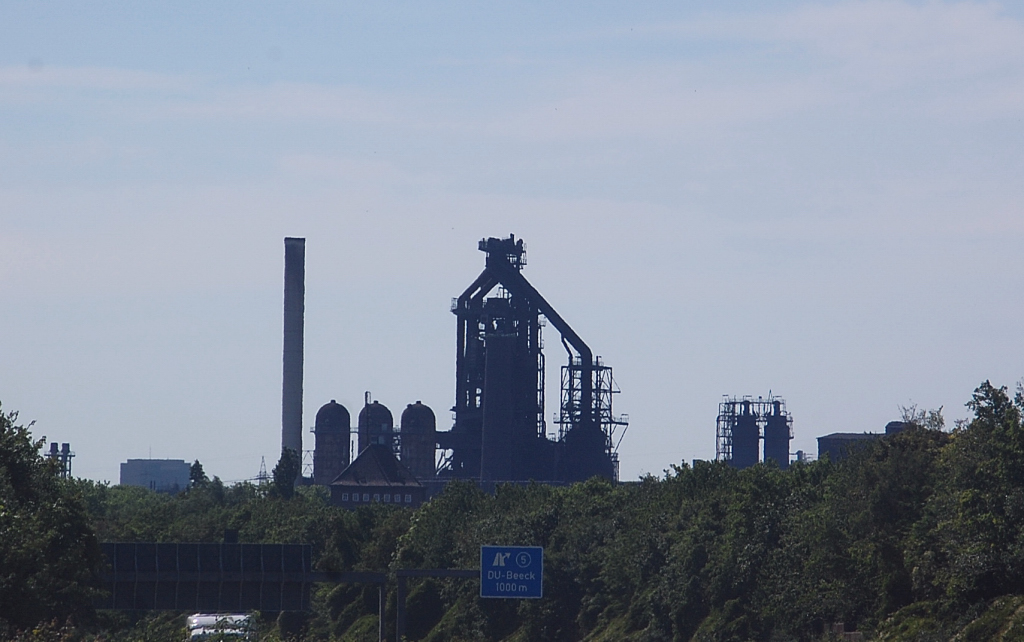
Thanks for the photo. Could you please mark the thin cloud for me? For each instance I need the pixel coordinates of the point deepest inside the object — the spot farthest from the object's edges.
(13, 78)
(890, 37)
(896, 40)
(289, 103)
(176, 97)
(886, 58)
(942, 60)
(666, 104)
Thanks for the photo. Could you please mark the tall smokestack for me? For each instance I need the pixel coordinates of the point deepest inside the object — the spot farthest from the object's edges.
(294, 308)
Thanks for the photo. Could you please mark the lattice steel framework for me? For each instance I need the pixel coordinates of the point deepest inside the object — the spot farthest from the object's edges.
(603, 388)
(773, 424)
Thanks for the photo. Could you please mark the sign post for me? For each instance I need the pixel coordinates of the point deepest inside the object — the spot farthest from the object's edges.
(512, 571)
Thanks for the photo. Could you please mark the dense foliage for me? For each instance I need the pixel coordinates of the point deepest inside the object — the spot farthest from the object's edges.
(917, 536)
(47, 548)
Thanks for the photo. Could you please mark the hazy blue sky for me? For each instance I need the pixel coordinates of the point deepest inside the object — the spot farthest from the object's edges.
(823, 200)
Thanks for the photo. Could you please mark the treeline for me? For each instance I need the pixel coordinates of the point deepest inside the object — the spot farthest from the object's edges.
(916, 536)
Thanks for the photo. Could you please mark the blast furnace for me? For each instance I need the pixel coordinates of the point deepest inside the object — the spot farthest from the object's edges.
(500, 433)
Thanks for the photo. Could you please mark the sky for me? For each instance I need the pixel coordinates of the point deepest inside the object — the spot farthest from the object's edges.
(817, 200)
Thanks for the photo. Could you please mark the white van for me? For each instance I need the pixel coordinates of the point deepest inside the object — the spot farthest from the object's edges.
(220, 626)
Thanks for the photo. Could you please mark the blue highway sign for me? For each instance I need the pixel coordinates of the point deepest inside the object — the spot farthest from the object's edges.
(512, 571)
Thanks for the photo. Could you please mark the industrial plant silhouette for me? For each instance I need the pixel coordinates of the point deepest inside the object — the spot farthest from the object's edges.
(499, 434)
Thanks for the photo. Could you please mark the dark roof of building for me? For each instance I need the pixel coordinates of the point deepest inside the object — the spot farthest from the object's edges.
(895, 426)
(376, 466)
(852, 436)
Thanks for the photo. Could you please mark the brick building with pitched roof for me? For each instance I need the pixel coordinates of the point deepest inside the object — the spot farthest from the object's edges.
(376, 476)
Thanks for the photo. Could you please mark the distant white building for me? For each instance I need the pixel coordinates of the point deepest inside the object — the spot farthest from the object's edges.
(161, 475)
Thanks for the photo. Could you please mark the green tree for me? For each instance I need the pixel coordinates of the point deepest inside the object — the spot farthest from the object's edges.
(286, 472)
(49, 556)
(197, 476)
(970, 546)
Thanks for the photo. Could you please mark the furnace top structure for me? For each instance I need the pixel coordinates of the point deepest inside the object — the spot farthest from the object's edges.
(499, 432)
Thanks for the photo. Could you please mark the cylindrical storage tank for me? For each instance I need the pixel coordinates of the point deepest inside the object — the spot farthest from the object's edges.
(376, 426)
(776, 436)
(331, 455)
(745, 438)
(418, 440)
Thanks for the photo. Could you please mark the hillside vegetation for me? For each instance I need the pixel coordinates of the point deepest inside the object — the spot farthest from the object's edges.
(917, 536)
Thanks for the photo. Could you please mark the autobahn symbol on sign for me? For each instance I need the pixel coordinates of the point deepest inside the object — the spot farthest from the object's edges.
(512, 571)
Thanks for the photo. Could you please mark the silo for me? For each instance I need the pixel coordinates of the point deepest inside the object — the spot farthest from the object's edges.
(331, 455)
(745, 438)
(419, 429)
(376, 426)
(777, 435)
